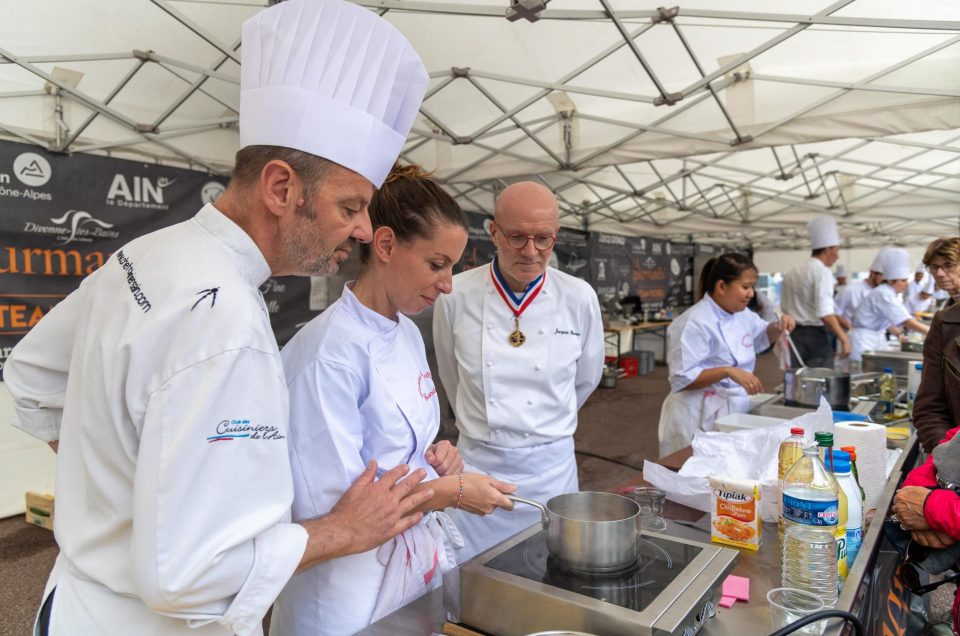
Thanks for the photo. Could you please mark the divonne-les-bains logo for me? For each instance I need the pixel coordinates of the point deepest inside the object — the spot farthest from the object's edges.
(74, 226)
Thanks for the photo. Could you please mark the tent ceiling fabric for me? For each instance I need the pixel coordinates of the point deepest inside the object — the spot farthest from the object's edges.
(717, 120)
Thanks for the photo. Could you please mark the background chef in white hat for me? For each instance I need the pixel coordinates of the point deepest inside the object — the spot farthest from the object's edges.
(852, 294)
(883, 307)
(161, 378)
(840, 276)
(807, 295)
(919, 295)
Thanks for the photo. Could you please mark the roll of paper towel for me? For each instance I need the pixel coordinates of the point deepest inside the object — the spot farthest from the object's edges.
(871, 443)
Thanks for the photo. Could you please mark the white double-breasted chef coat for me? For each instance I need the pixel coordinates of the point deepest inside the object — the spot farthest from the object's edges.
(516, 407)
(162, 380)
(882, 308)
(360, 389)
(706, 337)
(850, 298)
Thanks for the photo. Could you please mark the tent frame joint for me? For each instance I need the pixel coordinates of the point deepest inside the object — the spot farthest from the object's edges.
(665, 15)
(667, 99)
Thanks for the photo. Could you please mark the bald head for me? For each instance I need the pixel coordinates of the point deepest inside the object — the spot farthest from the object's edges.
(524, 210)
(525, 202)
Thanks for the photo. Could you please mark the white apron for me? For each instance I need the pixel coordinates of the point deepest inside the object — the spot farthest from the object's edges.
(540, 473)
(685, 412)
(866, 340)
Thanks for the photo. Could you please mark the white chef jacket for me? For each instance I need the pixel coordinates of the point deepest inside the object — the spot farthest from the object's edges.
(912, 301)
(807, 293)
(850, 297)
(516, 407)
(168, 398)
(882, 308)
(360, 389)
(706, 337)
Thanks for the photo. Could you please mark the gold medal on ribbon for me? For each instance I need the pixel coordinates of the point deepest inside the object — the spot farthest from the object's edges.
(516, 336)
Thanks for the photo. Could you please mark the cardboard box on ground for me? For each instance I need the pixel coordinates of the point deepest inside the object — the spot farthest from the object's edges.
(40, 510)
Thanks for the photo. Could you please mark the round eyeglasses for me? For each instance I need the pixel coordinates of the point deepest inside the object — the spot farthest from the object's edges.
(946, 268)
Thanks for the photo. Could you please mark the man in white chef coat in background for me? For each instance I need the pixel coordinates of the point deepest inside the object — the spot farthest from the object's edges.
(161, 378)
(519, 349)
(807, 295)
(919, 295)
(853, 293)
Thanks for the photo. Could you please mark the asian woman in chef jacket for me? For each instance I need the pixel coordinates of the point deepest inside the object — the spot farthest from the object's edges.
(883, 307)
(712, 350)
(361, 389)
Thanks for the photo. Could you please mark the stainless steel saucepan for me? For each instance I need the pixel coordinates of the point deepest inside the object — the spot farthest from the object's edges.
(590, 531)
(804, 386)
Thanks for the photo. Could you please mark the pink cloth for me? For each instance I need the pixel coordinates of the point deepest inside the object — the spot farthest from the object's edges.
(737, 587)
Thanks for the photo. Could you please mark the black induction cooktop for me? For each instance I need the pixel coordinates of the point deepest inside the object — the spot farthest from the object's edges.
(635, 588)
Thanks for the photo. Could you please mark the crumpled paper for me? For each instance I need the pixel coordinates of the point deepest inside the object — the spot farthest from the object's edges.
(746, 454)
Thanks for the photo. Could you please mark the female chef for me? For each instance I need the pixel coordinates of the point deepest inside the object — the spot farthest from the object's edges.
(712, 351)
(883, 307)
(361, 389)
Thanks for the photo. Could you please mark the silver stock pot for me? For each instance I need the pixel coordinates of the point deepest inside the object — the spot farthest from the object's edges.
(804, 386)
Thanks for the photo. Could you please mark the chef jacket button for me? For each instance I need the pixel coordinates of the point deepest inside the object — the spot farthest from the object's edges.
(540, 331)
(530, 401)
(526, 434)
(489, 363)
(493, 402)
(538, 366)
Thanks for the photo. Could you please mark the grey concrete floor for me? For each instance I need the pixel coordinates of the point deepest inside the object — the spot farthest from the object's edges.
(617, 431)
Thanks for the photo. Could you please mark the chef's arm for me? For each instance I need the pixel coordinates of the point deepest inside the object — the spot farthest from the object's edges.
(480, 494)
(915, 325)
(212, 492)
(844, 323)
(707, 377)
(36, 370)
(832, 323)
(445, 349)
(590, 363)
(370, 513)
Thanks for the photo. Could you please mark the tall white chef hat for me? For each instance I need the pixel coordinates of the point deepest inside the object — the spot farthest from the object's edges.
(823, 232)
(877, 264)
(332, 79)
(896, 264)
(839, 271)
(921, 269)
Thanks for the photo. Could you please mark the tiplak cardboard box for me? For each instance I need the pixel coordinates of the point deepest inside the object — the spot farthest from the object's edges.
(40, 510)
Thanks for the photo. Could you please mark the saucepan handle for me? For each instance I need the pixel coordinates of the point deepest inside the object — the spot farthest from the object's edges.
(545, 518)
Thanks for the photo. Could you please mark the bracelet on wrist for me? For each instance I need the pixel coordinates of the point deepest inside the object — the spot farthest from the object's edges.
(460, 495)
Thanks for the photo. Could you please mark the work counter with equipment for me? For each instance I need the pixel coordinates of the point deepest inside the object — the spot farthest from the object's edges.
(492, 587)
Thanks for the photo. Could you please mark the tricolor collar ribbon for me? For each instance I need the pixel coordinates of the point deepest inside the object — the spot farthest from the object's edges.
(516, 305)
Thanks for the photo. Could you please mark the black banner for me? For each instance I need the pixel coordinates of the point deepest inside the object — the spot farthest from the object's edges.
(655, 272)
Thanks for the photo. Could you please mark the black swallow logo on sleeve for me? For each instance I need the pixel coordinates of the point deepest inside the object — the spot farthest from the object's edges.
(204, 294)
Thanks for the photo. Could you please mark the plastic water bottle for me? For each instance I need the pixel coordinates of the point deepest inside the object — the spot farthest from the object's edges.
(809, 513)
(791, 450)
(888, 390)
(841, 470)
(913, 384)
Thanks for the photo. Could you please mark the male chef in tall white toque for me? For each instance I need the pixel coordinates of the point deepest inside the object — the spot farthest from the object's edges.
(519, 349)
(161, 378)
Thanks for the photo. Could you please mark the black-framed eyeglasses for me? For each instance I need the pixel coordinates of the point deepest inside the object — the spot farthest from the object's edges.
(946, 268)
(518, 240)
(909, 575)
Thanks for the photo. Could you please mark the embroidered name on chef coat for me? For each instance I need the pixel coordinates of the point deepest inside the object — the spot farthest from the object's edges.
(566, 332)
(233, 430)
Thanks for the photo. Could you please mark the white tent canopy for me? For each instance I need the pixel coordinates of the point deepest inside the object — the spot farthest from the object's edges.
(717, 120)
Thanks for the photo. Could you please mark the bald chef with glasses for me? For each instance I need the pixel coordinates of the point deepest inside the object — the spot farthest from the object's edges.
(519, 349)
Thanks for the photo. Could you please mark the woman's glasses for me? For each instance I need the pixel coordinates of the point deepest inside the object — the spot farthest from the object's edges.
(946, 268)
(908, 574)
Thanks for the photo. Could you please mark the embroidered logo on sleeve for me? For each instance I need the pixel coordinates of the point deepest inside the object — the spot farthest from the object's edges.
(138, 296)
(205, 294)
(425, 385)
(231, 430)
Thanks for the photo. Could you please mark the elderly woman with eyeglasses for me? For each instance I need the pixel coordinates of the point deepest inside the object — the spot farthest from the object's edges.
(937, 406)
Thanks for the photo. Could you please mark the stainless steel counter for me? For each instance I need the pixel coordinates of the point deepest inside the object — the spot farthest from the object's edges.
(426, 616)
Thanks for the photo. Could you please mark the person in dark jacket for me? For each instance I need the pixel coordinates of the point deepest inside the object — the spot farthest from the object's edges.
(937, 405)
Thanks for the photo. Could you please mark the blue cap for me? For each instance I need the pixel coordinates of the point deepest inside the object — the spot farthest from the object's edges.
(888, 369)
(841, 456)
(841, 466)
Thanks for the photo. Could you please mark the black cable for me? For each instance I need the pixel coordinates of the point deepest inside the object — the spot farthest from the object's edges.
(607, 459)
(819, 616)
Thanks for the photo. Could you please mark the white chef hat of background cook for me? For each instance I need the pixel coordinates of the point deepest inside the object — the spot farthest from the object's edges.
(823, 232)
(840, 271)
(877, 264)
(332, 79)
(896, 264)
